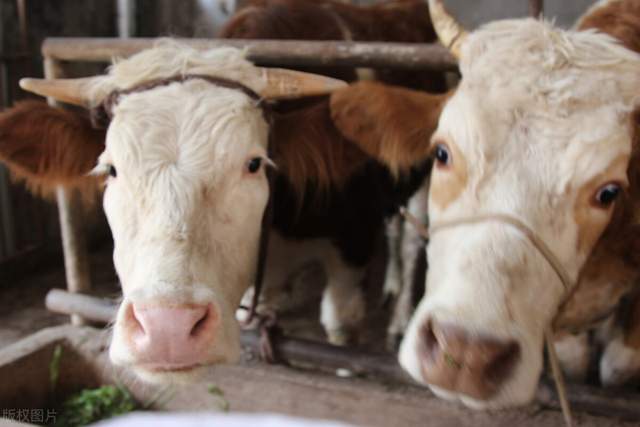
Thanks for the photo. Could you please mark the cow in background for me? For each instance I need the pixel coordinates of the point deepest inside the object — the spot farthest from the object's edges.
(185, 160)
(406, 21)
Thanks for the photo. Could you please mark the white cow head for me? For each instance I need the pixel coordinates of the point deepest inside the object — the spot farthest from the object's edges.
(540, 129)
(185, 194)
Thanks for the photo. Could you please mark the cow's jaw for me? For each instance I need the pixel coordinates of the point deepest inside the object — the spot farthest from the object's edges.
(186, 216)
(536, 146)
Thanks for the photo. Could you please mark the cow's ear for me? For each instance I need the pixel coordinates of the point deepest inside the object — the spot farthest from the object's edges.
(391, 124)
(309, 150)
(48, 146)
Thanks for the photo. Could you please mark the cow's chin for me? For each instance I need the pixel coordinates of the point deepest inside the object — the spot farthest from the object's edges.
(178, 375)
(168, 375)
(160, 374)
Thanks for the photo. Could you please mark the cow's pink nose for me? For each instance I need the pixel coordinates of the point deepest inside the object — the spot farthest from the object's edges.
(174, 337)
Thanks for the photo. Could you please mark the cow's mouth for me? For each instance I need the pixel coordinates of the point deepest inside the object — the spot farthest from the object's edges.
(169, 368)
(167, 374)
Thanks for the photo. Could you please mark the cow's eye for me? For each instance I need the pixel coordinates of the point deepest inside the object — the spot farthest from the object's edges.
(112, 171)
(254, 164)
(443, 158)
(607, 194)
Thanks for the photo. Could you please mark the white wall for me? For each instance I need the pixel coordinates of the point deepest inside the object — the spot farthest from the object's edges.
(475, 12)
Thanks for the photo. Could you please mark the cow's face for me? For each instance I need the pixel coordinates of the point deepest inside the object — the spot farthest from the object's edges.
(185, 163)
(185, 209)
(540, 130)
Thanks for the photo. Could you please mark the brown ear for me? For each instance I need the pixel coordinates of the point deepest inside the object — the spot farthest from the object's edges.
(391, 124)
(48, 146)
(309, 150)
(619, 19)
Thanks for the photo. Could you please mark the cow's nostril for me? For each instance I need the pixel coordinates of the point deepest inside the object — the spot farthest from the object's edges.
(133, 321)
(454, 359)
(502, 364)
(431, 346)
(201, 323)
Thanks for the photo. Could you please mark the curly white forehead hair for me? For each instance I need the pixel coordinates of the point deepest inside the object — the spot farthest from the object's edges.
(559, 70)
(170, 58)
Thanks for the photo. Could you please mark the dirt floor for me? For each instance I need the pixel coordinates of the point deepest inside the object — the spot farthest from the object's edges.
(305, 393)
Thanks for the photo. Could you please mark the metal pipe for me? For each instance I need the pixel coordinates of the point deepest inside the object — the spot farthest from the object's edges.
(91, 308)
(290, 349)
(284, 53)
(126, 10)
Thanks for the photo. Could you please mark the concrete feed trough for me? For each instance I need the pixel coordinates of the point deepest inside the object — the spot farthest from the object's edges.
(249, 387)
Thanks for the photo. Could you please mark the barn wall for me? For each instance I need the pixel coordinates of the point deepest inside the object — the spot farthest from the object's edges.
(26, 222)
(474, 13)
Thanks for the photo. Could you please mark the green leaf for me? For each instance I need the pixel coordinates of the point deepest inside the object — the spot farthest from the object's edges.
(54, 366)
(91, 405)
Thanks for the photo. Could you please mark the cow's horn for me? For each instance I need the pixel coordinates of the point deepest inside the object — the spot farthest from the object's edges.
(450, 32)
(71, 91)
(285, 84)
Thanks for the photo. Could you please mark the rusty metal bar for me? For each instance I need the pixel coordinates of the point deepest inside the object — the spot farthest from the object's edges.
(414, 56)
(322, 355)
(591, 400)
(536, 8)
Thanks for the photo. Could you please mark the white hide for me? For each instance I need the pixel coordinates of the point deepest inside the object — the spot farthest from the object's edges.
(619, 363)
(184, 211)
(342, 308)
(539, 113)
(573, 353)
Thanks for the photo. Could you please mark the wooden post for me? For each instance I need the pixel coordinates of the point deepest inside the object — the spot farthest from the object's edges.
(70, 210)
(536, 8)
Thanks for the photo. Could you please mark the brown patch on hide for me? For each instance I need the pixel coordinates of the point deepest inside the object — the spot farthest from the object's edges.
(588, 217)
(632, 325)
(308, 149)
(620, 19)
(406, 21)
(613, 267)
(448, 182)
(48, 147)
(604, 280)
(391, 124)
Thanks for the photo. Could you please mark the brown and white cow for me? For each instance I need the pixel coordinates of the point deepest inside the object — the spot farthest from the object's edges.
(185, 162)
(537, 148)
(406, 21)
